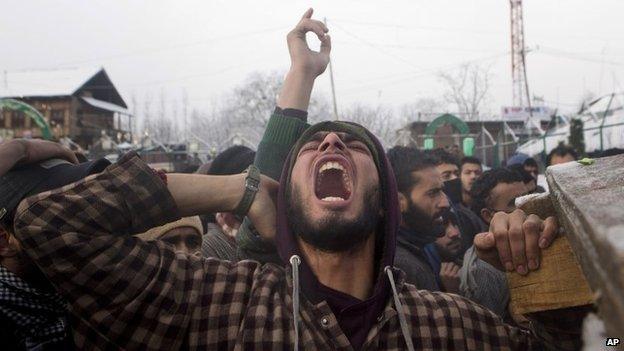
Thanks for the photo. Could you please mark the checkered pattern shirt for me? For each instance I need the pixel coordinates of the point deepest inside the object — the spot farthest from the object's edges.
(39, 317)
(145, 295)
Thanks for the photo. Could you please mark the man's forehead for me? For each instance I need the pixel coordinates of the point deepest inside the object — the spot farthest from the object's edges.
(428, 177)
(471, 166)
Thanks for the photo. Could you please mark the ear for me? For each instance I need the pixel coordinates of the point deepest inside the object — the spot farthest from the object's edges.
(403, 202)
(486, 215)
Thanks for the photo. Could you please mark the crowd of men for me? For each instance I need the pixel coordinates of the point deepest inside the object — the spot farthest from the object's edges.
(338, 244)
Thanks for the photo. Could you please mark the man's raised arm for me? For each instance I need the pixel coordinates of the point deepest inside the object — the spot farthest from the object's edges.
(288, 121)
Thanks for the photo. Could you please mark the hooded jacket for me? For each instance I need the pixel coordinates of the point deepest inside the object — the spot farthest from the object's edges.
(354, 316)
(145, 295)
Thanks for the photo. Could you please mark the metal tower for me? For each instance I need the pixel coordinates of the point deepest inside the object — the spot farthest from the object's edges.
(520, 88)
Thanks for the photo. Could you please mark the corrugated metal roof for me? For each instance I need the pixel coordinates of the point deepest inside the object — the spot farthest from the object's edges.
(105, 105)
(61, 82)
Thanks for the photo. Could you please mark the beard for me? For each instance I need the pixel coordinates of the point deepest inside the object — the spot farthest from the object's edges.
(420, 222)
(333, 233)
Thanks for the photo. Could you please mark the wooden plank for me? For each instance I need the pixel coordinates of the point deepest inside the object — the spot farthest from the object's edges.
(589, 200)
(559, 282)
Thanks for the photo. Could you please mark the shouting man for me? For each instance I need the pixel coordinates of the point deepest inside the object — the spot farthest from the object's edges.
(335, 224)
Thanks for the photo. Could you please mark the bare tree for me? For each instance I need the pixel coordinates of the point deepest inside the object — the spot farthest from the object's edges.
(244, 113)
(467, 89)
(379, 120)
(161, 128)
(422, 109)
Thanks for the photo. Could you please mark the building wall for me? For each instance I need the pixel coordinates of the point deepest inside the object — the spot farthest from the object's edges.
(67, 116)
(54, 110)
(490, 154)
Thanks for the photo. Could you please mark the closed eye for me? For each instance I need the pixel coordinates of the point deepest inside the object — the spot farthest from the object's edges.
(309, 146)
(358, 146)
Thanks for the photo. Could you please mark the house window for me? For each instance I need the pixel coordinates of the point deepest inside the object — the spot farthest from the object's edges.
(57, 117)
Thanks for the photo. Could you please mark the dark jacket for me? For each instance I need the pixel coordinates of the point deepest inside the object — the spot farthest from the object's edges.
(412, 259)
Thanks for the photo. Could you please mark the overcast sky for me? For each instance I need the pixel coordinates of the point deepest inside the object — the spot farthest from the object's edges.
(384, 52)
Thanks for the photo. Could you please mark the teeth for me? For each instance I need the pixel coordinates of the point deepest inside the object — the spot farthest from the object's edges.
(331, 165)
(332, 198)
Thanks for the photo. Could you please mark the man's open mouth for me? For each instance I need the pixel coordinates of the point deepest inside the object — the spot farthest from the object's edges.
(333, 182)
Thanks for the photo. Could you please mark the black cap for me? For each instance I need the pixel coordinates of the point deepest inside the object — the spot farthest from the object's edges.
(26, 181)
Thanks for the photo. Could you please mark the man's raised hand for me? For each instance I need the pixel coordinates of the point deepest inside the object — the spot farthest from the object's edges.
(514, 241)
(301, 56)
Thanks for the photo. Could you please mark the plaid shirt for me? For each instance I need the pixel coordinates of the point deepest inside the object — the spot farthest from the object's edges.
(145, 295)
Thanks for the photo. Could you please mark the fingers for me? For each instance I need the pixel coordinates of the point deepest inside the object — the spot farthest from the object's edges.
(308, 13)
(484, 241)
(449, 269)
(517, 242)
(499, 226)
(310, 25)
(444, 267)
(531, 228)
(455, 269)
(550, 230)
(326, 45)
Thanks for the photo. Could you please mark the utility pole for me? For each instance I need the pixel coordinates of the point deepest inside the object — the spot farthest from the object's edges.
(520, 87)
(331, 79)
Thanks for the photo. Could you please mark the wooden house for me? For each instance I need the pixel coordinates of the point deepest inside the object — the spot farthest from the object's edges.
(81, 104)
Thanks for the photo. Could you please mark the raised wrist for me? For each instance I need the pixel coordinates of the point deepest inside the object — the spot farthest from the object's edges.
(303, 72)
(236, 187)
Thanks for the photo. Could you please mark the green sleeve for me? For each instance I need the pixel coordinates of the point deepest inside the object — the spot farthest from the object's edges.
(281, 134)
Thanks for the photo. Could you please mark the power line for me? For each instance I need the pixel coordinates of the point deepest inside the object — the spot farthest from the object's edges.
(399, 26)
(385, 52)
(422, 73)
(574, 56)
(409, 47)
(171, 47)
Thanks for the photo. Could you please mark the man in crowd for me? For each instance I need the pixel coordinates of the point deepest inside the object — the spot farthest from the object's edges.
(561, 154)
(470, 169)
(446, 164)
(528, 168)
(444, 254)
(335, 225)
(495, 191)
(422, 203)
(531, 166)
(459, 193)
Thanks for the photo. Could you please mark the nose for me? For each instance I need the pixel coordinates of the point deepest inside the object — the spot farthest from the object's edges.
(444, 202)
(453, 231)
(332, 142)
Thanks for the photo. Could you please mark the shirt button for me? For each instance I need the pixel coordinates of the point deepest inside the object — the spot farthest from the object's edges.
(325, 322)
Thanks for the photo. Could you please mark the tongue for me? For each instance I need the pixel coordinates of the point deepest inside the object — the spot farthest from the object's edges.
(330, 184)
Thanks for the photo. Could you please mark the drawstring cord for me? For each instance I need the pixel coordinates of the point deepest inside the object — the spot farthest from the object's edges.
(397, 303)
(295, 261)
